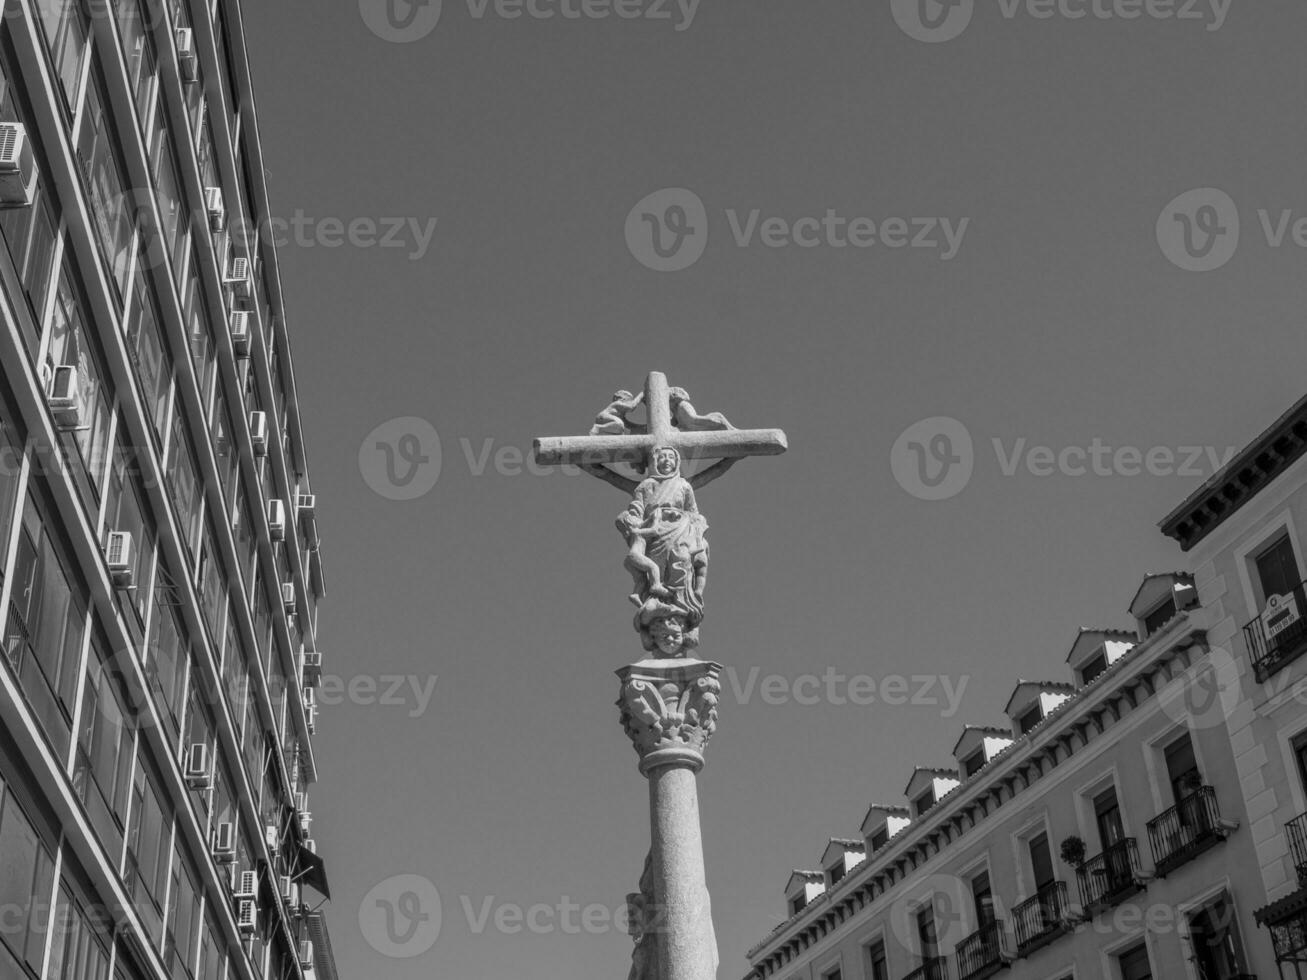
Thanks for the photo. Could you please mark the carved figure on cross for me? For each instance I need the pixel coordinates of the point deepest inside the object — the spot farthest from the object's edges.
(667, 551)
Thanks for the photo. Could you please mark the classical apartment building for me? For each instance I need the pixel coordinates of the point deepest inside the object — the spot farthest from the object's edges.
(159, 563)
(1143, 816)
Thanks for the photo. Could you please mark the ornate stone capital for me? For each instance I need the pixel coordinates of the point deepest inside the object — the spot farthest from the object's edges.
(669, 710)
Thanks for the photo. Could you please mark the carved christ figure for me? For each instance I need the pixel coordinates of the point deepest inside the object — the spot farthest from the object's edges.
(667, 555)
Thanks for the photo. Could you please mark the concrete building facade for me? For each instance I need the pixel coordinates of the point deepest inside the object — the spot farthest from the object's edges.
(1144, 817)
(159, 563)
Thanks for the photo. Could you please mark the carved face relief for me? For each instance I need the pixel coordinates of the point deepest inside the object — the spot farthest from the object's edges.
(666, 462)
(669, 635)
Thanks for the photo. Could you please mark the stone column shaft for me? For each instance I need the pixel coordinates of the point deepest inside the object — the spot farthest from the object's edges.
(687, 948)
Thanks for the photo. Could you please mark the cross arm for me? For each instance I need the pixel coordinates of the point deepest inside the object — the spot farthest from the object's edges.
(730, 443)
(592, 450)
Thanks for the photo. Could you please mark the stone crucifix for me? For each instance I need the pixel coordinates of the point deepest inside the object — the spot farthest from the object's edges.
(668, 700)
(667, 551)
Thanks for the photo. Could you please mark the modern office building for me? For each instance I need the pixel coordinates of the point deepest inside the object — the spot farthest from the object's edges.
(1145, 816)
(158, 551)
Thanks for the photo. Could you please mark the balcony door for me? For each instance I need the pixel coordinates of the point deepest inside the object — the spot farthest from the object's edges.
(926, 934)
(982, 896)
(1107, 815)
(1041, 862)
(1214, 937)
(1277, 569)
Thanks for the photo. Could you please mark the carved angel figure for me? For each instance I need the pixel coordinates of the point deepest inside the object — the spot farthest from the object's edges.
(687, 419)
(612, 420)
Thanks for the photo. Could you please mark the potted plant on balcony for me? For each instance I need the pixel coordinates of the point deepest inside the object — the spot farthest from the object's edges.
(1073, 851)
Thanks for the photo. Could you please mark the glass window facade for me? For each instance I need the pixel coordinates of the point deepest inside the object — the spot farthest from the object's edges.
(122, 662)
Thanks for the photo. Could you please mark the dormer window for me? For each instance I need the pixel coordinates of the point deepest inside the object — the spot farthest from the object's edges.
(973, 763)
(1160, 616)
(1093, 668)
(1033, 716)
(923, 803)
(879, 839)
(835, 872)
(797, 904)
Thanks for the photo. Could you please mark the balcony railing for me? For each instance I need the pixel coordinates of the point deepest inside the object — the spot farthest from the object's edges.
(933, 968)
(1297, 832)
(1186, 830)
(1039, 920)
(1110, 877)
(984, 952)
(1276, 638)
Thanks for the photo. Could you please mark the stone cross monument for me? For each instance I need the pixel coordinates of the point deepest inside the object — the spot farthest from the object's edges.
(668, 699)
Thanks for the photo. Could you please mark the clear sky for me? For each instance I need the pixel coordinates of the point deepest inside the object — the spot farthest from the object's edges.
(1059, 320)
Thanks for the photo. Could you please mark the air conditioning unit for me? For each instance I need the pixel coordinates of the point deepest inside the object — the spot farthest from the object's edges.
(247, 917)
(17, 165)
(259, 432)
(238, 326)
(312, 668)
(187, 64)
(224, 843)
(213, 203)
(63, 395)
(197, 766)
(246, 885)
(306, 955)
(272, 837)
(277, 520)
(118, 556)
(238, 278)
(288, 595)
